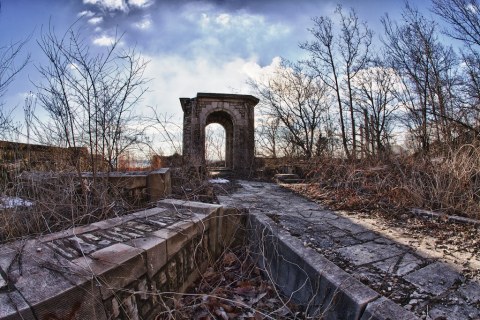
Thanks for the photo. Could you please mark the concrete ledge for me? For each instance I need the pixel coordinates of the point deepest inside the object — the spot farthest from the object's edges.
(117, 268)
(311, 280)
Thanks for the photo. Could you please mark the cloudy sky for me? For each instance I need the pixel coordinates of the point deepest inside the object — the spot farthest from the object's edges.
(193, 46)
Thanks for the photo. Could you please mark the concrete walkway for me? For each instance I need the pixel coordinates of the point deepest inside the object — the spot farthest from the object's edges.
(392, 265)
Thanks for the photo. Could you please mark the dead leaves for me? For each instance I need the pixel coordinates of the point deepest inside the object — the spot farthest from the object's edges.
(234, 289)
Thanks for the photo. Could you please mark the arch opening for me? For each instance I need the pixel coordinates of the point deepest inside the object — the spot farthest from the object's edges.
(219, 140)
(215, 148)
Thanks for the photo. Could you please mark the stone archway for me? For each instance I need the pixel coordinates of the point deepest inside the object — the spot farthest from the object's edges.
(235, 113)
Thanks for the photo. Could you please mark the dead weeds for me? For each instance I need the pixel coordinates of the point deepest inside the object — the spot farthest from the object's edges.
(233, 289)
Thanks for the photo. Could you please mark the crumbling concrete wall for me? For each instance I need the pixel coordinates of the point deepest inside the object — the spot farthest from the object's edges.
(235, 113)
(119, 268)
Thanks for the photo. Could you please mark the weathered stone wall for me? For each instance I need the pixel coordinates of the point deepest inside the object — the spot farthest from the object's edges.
(235, 113)
(121, 268)
(138, 186)
(41, 157)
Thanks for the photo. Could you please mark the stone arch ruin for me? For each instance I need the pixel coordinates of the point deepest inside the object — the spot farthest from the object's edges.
(235, 113)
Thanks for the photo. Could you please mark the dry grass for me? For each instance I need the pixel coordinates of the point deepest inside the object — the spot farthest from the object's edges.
(449, 184)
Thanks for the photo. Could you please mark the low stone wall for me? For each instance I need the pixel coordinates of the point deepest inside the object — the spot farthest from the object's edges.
(309, 279)
(122, 268)
(138, 186)
(155, 185)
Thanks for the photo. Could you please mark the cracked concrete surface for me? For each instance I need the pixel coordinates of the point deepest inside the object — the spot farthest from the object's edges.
(407, 268)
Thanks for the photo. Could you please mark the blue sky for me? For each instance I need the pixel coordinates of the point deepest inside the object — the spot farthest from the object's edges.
(193, 46)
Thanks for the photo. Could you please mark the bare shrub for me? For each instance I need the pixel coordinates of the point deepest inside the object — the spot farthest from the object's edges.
(448, 183)
(47, 202)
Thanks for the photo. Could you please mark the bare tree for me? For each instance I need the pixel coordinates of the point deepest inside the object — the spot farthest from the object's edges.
(168, 130)
(375, 94)
(337, 58)
(298, 101)
(10, 65)
(268, 136)
(426, 68)
(463, 16)
(90, 97)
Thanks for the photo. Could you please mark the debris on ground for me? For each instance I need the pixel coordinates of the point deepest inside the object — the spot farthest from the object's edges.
(234, 288)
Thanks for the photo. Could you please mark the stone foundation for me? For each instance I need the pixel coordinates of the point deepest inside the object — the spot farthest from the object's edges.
(122, 268)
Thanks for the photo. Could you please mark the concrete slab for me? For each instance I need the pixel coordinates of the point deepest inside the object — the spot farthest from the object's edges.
(369, 252)
(470, 291)
(454, 311)
(385, 309)
(399, 265)
(197, 207)
(45, 279)
(346, 224)
(383, 252)
(148, 212)
(435, 278)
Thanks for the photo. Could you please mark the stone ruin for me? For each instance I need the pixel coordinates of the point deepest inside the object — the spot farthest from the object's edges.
(235, 113)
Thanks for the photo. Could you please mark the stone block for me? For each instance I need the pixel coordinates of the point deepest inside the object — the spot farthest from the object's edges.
(470, 291)
(197, 207)
(156, 252)
(435, 278)
(369, 252)
(385, 309)
(335, 294)
(178, 235)
(111, 223)
(69, 233)
(231, 224)
(148, 212)
(159, 184)
(13, 306)
(312, 280)
(399, 265)
(8, 254)
(46, 280)
(114, 267)
(347, 225)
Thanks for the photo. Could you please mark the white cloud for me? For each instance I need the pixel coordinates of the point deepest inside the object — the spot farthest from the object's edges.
(140, 3)
(108, 4)
(472, 8)
(223, 19)
(104, 41)
(144, 24)
(174, 77)
(95, 20)
(86, 13)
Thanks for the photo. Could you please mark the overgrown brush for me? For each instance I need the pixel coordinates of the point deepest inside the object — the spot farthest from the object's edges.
(448, 183)
(57, 201)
